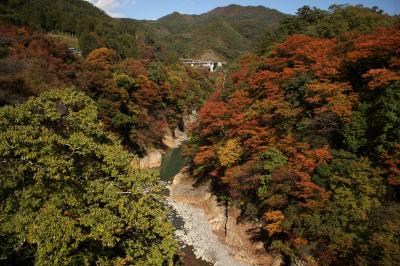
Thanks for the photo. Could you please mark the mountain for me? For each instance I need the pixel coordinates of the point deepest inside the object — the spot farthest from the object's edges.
(223, 33)
(93, 27)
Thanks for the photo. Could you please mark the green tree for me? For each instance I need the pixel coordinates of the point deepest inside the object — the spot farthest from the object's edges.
(357, 189)
(375, 125)
(69, 194)
(273, 159)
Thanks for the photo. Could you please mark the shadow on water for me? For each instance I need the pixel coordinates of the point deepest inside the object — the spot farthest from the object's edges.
(172, 162)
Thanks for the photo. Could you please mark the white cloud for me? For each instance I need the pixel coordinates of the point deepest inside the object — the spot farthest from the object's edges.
(112, 7)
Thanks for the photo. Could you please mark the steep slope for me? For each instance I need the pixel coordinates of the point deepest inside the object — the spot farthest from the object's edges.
(225, 32)
(305, 139)
(92, 26)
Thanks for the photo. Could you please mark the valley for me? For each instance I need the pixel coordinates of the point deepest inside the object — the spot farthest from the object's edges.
(238, 136)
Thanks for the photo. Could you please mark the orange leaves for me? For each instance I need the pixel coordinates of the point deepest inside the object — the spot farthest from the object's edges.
(148, 92)
(280, 108)
(378, 54)
(204, 155)
(326, 89)
(383, 42)
(380, 77)
(239, 101)
(339, 104)
(102, 57)
(300, 241)
(213, 116)
(240, 75)
(266, 82)
(274, 221)
(302, 164)
(307, 53)
(323, 154)
(334, 97)
(311, 194)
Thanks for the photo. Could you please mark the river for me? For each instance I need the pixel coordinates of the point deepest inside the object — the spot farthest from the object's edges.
(200, 245)
(172, 162)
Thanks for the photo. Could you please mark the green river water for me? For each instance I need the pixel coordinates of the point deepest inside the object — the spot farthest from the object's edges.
(172, 162)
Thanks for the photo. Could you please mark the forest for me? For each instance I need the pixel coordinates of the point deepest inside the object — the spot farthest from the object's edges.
(223, 33)
(301, 131)
(306, 138)
(71, 129)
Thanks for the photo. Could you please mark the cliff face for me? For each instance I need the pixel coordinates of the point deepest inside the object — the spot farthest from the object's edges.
(225, 221)
(151, 160)
(172, 140)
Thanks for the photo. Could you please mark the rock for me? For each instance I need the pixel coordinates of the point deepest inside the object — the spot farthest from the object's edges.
(199, 234)
(201, 212)
(173, 142)
(189, 119)
(152, 160)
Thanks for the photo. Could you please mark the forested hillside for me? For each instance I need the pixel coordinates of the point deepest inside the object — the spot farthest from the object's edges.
(92, 26)
(301, 131)
(306, 139)
(70, 193)
(137, 99)
(334, 22)
(223, 33)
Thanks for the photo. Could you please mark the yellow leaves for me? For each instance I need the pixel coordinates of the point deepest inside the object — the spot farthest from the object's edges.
(274, 221)
(229, 153)
(176, 78)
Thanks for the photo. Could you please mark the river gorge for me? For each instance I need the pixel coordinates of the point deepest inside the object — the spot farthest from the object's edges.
(208, 231)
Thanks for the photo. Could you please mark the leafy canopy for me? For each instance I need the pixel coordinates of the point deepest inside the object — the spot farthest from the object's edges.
(68, 192)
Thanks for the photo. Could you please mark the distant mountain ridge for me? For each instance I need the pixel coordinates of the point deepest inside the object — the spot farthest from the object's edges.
(224, 32)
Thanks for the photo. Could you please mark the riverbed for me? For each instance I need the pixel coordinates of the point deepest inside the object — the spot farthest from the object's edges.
(200, 246)
(171, 165)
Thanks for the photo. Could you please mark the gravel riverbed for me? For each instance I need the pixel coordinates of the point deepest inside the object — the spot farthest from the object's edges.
(197, 232)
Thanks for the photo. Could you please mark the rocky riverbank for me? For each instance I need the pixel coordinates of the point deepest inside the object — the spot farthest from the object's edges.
(172, 139)
(212, 229)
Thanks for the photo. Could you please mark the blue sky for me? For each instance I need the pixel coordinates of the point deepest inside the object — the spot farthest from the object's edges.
(154, 9)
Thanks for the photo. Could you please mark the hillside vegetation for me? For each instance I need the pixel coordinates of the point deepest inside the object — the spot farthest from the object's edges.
(69, 194)
(301, 132)
(306, 139)
(226, 31)
(137, 99)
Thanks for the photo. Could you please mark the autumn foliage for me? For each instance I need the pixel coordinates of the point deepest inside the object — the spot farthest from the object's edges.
(308, 135)
(137, 99)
